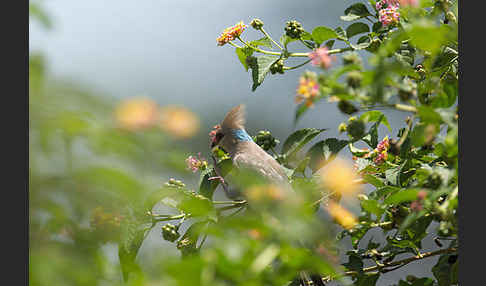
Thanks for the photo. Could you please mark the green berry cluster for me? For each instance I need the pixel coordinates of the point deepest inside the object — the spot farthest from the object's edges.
(170, 232)
(294, 29)
(356, 128)
(175, 183)
(265, 140)
(277, 67)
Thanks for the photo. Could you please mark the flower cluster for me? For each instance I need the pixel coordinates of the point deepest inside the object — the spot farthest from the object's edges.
(417, 205)
(136, 114)
(382, 151)
(231, 33)
(388, 11)
(194, 164)
(307, 91)
(320, 58)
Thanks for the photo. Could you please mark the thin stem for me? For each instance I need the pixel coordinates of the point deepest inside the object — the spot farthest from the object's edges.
(268, 36)
(234, 45)
(258, 49)
(170, 218)
(229, 202)
(297, 66)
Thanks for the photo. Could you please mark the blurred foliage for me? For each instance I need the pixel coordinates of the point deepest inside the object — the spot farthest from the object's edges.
(95, 167)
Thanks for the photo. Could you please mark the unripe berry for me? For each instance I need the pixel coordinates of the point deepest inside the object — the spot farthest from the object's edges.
(257, 24)
(294, 29)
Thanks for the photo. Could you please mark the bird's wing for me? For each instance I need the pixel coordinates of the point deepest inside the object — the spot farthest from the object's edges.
(251, 156)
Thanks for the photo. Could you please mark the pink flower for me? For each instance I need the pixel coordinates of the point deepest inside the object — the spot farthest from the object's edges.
(411, 3)
(389, 15)
(320, 57)
(381, 158)
(386, 3)
(383, 145)
(416, 206)
(231, 33)
(194, 164)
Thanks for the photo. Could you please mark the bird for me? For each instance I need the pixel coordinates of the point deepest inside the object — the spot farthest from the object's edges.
(233, 138)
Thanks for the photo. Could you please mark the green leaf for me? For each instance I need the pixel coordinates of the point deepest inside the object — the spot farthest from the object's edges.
(206, 186)
(39, 14)
(428, 37)
(329, 44)
(243, 54)
(260, 67)
(355, 12)
(324, 151)
(375, 116)
(373, 180)
(341, 34)
(301, 166)
(188, 242)
(301, 109)
(393, 176)
(357, 28)
(402, 196)
(132, 237)
(443, 270)
(285, 40)
(367, 279)
(371, 138)
(265, 42)
(298, 139)
(323, 33)
(373, 206)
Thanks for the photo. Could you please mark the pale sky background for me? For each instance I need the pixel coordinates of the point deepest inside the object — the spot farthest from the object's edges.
(167, 50)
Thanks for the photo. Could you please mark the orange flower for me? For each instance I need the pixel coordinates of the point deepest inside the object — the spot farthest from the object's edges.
(137, 113)
(231, 33)
(342, 216)
(307, 90)
(179, 121)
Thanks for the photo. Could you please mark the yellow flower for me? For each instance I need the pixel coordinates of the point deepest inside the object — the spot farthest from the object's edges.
(136, 113)
(268, 192)
(307, 90)
(179, 121)
(340, 177)
(342, 216)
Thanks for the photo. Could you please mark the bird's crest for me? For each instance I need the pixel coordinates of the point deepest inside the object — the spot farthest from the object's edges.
(235, 119)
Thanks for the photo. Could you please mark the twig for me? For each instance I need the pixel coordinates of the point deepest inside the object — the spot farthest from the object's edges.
(398, 263)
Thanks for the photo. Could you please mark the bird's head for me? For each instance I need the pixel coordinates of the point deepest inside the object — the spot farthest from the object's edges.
(231, 131)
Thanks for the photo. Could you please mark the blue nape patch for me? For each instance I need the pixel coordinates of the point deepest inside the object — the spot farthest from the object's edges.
(241, 135)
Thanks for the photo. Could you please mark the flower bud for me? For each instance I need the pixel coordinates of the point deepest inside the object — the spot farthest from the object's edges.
(342, 127)
(356, 129)
(351, 58)
(257, 24)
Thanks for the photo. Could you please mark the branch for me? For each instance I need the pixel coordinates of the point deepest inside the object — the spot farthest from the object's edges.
(399, 263)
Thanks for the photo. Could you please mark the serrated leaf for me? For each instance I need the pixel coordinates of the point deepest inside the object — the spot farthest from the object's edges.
(357, 28)
(298, 139)
(329, 44)
(260, 67)
(323, 33)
